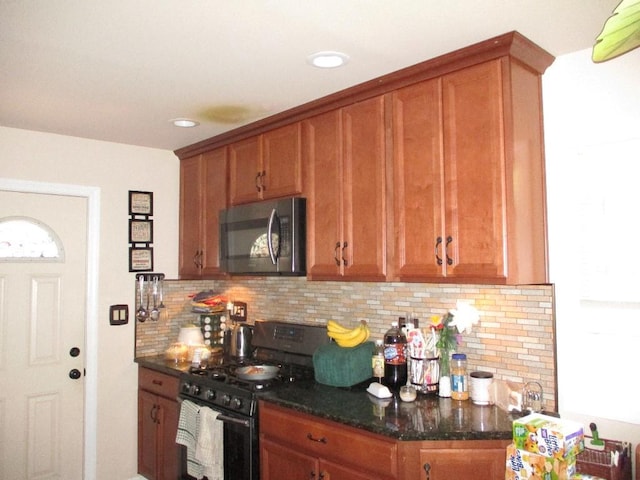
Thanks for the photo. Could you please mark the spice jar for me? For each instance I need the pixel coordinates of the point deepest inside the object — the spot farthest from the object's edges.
(459, 386)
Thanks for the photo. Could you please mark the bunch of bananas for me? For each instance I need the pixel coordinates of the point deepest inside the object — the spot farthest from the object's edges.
(348, 337)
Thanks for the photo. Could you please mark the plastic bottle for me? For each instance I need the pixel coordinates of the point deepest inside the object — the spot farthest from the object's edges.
(377, 361)
(459, 384)
(395, 358)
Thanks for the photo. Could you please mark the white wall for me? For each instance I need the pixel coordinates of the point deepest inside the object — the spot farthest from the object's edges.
(114, 169)
(592, 136)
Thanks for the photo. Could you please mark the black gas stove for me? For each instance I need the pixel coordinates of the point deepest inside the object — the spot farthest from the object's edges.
(287, 348)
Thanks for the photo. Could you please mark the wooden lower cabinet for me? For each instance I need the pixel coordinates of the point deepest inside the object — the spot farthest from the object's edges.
(295, 445)
(158, 414)
(445, 460)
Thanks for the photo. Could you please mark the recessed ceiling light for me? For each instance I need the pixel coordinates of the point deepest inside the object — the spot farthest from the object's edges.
(185, 122)
(328, 59)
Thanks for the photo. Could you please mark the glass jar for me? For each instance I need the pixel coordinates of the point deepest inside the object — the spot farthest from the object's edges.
(444, 382)
(459, 384)
(377, 361)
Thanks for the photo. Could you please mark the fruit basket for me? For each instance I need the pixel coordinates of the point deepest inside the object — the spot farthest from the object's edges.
(602, 463)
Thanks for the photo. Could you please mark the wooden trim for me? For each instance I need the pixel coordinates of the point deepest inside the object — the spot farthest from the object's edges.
(511, 44)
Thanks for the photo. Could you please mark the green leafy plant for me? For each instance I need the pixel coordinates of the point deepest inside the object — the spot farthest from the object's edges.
(620, 34)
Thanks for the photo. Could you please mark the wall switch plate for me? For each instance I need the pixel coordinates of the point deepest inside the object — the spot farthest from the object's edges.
(119, 314)
(239, 312)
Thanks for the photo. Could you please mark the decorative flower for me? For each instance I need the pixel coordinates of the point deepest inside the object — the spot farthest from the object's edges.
(453, 324)
(448, 339)
(464, 317)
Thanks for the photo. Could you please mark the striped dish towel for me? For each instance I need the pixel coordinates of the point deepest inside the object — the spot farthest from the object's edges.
(188, 426)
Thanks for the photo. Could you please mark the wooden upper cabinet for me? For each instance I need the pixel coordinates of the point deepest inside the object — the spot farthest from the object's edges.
(469, 199)
(418, 180)
(322, 155)
(203, 194)
(245, 170)
(456, 194)
(266, 166)
(345, 185)
(190, 216)
(475, 193)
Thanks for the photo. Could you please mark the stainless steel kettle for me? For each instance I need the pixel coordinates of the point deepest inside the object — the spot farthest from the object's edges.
(240, 341)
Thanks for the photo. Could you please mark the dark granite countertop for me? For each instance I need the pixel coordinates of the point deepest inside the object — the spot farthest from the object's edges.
(428, 418)
(160, 364)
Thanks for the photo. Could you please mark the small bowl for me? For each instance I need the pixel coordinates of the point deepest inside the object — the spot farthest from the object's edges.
(408, 393)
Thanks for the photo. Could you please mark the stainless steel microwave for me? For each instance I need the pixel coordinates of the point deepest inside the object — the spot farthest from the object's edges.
(264, 238)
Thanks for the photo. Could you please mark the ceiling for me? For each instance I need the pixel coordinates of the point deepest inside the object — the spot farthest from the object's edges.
(120, 70)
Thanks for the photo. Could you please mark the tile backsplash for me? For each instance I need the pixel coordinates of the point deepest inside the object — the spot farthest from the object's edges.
(515, 339)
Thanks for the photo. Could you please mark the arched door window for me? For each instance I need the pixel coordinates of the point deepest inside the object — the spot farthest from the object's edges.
(24, 239)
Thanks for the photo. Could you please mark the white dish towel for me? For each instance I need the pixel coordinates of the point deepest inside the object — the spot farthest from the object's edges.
(209, 445)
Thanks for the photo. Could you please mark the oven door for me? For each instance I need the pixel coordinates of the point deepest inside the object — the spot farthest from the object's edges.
(240, 447)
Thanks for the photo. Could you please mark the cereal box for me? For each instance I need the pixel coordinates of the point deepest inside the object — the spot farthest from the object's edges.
(548, 436)
(523, 465)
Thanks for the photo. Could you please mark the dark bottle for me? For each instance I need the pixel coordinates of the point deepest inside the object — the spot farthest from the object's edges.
(395, 358)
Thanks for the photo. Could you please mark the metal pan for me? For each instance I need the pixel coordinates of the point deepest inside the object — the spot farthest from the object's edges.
(257, 372)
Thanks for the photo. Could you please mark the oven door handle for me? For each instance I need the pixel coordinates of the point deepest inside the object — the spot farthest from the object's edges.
(225, 418)
(222, 417)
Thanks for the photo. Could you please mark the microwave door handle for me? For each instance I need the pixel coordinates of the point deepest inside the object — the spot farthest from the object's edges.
(273, 218)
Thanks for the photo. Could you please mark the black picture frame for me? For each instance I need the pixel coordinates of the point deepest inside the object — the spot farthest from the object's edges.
(140, 259)
(140, 203)
(140, 231)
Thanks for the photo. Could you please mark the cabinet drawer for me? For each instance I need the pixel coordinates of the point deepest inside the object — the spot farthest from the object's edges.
(159, 383)
(329, 440)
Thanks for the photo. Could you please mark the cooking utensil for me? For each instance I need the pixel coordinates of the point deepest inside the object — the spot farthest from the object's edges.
(155, 312)
(257, 372)
(142, 314)
(161, 292)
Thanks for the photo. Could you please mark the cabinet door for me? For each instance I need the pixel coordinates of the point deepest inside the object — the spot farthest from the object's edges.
(168, 450)
(364, 191)
(245, 170)
(281, 162)
(278, 462)
(418, 182)
(474, 172)
(214, 174)
(190, 217)
(446, 464)
(322, 156)
(147, 439)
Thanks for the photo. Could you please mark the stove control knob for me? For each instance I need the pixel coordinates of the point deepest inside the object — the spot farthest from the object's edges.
(211, 394)
(226, 400)
(236, 403)
(195, 390)
(186, 387)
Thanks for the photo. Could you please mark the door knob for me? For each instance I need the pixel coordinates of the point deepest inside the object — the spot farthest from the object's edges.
(74, 374)
(74, 352)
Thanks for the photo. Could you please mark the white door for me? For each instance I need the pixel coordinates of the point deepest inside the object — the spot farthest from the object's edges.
(42, 321)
